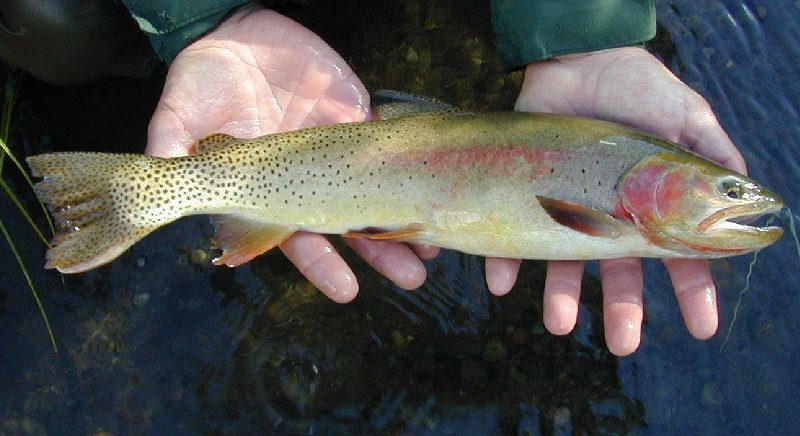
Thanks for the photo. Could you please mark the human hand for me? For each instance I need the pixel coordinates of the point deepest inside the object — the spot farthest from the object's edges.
(260, 73)
(629, 86)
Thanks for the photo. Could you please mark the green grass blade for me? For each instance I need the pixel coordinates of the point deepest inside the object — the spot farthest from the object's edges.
(9, 100)
(7, 152)
(30, 284)
(22, 210)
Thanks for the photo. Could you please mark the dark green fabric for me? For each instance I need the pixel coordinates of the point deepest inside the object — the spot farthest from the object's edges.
(528, 31)
(172, 25)
(525, 30)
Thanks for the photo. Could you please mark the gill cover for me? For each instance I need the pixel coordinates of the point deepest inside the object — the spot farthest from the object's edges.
(685, 203)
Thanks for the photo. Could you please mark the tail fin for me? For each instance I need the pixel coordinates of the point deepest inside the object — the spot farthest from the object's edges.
(92, 197)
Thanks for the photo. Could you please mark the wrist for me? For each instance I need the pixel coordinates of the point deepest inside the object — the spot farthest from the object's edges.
(605, 54)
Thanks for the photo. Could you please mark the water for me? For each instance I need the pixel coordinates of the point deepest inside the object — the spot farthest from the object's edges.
(160, 340)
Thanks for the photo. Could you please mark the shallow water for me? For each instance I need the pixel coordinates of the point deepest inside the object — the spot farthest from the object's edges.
(160, 340)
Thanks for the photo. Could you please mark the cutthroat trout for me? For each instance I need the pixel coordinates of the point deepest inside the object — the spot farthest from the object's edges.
(513, 184)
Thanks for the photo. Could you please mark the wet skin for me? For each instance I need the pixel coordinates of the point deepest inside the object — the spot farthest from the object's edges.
(247, 81)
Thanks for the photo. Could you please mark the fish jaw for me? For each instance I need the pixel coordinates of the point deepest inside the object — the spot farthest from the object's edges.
(723, 225)
(695, 207)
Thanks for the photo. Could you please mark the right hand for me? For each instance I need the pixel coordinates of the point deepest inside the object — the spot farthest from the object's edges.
(631, 86)
(260, 73)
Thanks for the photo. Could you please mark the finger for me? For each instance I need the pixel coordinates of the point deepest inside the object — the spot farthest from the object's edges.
(703, 134)
(562, 291)
(501, 274)
(394, 260)
(696, 293)
(316, 259)
(622, 304)
(166, 135)
(425, 252)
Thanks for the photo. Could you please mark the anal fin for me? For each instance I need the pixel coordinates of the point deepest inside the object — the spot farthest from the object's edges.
(582, 218)
(242, 238)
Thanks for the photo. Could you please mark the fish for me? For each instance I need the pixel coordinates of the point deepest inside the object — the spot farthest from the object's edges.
(500, 184)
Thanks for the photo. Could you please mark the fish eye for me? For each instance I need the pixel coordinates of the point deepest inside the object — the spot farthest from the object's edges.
(731, 187)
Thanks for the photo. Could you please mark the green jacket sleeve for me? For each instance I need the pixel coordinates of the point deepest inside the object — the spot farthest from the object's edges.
(528, 31)
(172, 25)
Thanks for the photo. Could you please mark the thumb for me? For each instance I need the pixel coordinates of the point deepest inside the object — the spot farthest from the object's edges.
(167, 136)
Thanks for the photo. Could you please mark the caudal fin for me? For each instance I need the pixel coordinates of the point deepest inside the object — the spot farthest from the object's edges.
(93, 201)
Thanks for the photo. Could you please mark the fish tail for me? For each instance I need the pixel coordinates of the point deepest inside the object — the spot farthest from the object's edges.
(92, 198)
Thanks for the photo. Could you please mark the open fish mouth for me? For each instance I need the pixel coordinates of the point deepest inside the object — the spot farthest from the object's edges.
(740, 219)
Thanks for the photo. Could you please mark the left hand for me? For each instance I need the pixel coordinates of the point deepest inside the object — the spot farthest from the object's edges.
(630, 86)
(258, 73)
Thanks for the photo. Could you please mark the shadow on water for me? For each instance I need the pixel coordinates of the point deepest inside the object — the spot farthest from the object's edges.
(160, 340)
(437, 358)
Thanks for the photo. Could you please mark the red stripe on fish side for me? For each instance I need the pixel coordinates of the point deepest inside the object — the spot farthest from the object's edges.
(464, 159)
(488, 155)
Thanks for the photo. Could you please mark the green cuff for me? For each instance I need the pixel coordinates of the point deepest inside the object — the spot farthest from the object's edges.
(528, 31)
(171, 26)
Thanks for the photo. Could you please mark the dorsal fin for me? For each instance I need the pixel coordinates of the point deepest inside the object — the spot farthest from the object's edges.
(390, 104)
(212, 142)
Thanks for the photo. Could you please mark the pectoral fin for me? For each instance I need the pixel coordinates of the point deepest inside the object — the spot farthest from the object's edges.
(397, 235)
(583, 219)
(242, 239)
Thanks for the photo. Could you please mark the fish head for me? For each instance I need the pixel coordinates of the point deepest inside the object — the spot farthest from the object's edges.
(687, 204)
